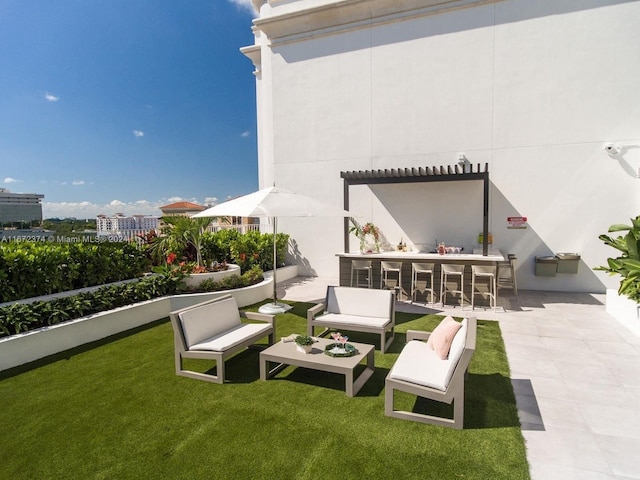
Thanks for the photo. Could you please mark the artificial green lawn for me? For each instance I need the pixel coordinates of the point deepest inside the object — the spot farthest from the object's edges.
(116, 410)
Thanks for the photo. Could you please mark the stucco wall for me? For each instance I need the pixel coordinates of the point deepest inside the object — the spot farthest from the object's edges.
(534, 89)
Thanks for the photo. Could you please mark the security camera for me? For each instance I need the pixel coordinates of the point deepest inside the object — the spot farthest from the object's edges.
(611, 149)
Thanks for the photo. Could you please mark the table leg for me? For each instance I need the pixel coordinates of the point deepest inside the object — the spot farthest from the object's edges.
(354, 387)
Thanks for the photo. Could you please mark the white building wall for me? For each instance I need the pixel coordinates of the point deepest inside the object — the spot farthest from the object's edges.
(121, 224)
(533, 89)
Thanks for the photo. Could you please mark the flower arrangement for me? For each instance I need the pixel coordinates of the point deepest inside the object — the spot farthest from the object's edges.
(362, 231)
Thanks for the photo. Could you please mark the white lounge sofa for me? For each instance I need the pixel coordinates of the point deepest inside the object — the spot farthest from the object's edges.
(356, 309)
(420, 371)
(213, 330)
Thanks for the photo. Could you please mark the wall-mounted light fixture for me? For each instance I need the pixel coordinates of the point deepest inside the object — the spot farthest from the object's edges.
(611, 149)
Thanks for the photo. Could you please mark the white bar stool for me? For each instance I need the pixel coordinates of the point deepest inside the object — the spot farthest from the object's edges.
(385, 268)
(454, 270)
(358, 266)
(424, 269)
(507, 274)
(487, 272)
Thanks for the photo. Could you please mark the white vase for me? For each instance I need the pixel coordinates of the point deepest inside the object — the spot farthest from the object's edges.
(304, 348)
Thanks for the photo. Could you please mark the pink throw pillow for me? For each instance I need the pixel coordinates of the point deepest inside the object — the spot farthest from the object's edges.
(441, 338)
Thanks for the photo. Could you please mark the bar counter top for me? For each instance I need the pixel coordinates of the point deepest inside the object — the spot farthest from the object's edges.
(493, 256)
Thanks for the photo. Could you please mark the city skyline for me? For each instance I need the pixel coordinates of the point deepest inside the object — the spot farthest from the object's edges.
(122, 107)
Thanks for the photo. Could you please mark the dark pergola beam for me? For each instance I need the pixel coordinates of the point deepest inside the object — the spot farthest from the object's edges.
(420, 175)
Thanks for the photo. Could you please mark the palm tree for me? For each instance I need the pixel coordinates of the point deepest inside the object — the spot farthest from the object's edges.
(180, 233)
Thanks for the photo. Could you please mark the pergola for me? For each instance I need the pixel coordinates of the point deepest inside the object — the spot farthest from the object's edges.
(455, 173)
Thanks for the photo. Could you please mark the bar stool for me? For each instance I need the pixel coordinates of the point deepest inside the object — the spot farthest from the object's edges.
(447, 270)
(417, 269)
(507, 274)
(487, 272)
(385, 268)
(358, 266)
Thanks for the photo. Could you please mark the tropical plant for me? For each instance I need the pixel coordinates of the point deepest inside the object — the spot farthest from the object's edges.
(183, 235)
(627, 265)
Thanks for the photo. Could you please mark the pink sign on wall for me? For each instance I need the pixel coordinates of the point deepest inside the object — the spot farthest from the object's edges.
(516, 222)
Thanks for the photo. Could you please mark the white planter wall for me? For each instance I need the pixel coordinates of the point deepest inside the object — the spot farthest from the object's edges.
(195, 279)
(33, 345)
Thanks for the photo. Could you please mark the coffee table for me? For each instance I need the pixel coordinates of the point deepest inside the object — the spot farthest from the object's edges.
(287, 354)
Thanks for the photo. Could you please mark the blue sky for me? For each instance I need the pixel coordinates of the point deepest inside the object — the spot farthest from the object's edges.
(124, 105)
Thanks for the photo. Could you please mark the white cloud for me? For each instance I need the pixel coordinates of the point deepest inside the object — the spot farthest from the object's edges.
(11, 180)
(210, 200)
(87, 209)
(49, 97)
(77, 182)
(244, 4)
(245, 134)
(138, 133)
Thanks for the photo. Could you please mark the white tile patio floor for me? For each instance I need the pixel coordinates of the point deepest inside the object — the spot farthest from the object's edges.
(575, 372)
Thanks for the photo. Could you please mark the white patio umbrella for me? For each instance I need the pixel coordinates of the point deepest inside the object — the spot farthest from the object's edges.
(272, 203)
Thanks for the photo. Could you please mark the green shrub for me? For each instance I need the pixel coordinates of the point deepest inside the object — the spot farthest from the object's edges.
(250, 277)
(17, 317)
(32, 269)
(255, 248)
(216, 246)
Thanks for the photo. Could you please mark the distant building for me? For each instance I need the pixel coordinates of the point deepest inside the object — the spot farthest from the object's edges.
(187, 209)
(181, 209)
(20, 209)
(122, 224)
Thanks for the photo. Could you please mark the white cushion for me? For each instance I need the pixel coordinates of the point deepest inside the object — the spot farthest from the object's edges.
(418, 363)
(231, 338)
(359, 301)
(346, 319)
(203, 322)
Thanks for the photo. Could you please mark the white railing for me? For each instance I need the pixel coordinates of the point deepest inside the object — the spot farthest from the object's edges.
(254, 227)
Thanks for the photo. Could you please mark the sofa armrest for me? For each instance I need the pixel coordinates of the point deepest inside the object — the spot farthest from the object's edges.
(417, 335)
(313, 311)
(262, 317)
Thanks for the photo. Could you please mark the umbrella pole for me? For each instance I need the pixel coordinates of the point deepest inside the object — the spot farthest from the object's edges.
(275, 307)
(275, 264)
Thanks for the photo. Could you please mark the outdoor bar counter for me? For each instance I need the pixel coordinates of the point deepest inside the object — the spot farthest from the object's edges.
(407, 258)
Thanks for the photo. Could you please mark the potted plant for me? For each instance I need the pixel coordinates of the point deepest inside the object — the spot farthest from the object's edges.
(624, 305)
(304, 343)
(627, 265)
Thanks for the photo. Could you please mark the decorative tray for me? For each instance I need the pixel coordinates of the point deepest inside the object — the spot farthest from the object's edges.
(336, 350)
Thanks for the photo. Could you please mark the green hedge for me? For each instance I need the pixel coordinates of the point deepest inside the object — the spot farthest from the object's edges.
(33, 269)
(21, 317)
(17, 317)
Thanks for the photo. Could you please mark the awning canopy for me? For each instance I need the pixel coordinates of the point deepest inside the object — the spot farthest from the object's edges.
(450, 173)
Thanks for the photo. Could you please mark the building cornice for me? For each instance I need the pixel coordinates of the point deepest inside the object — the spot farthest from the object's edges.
(254, 53)
(345, 15)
